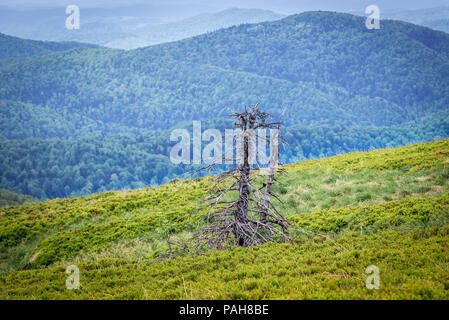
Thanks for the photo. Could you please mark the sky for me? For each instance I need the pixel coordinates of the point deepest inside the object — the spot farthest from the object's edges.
(281, 6)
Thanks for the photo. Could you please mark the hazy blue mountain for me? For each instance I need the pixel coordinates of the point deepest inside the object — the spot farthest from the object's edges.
(185, 8)
(124, 28)
(13, 47)
(343, 88)
(326, 68)
(435, 18)
(153, 34)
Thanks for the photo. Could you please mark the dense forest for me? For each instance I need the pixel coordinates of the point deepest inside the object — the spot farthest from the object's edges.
(62, 168)
(327, 68)
(13, 47)
(124, 28)
(9, 198)
(94, 119)
(435, 18)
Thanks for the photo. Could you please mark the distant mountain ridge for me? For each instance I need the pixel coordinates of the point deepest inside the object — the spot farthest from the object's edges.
(344, 88)
(326, 67)
(118, 30)
(13, 47)
(435, 18)
(149, 34)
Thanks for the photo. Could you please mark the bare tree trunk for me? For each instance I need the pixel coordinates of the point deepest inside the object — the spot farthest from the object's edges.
(241, 212)
(236, 218)
(274, 155)
(266, 200)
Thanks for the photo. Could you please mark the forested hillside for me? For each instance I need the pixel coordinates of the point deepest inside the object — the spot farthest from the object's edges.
(12, 47)
(345, 88)
(145, 33)
(63, 168)
(127, 27)
(326, 67)
(435, 18)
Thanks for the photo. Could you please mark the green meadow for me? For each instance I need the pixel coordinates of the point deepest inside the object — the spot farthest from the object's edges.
(388, 208)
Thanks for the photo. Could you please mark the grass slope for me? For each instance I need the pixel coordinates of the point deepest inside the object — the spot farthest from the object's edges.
(388, 208)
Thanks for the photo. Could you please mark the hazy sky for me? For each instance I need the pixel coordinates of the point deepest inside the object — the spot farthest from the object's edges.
(283, 6)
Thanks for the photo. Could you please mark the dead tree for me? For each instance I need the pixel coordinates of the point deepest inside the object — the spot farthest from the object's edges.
(250, 218)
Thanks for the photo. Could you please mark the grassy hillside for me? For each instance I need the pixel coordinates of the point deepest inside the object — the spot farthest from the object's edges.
(388, 208)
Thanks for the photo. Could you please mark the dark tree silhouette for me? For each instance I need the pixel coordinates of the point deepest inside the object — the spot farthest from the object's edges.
(249, 218)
